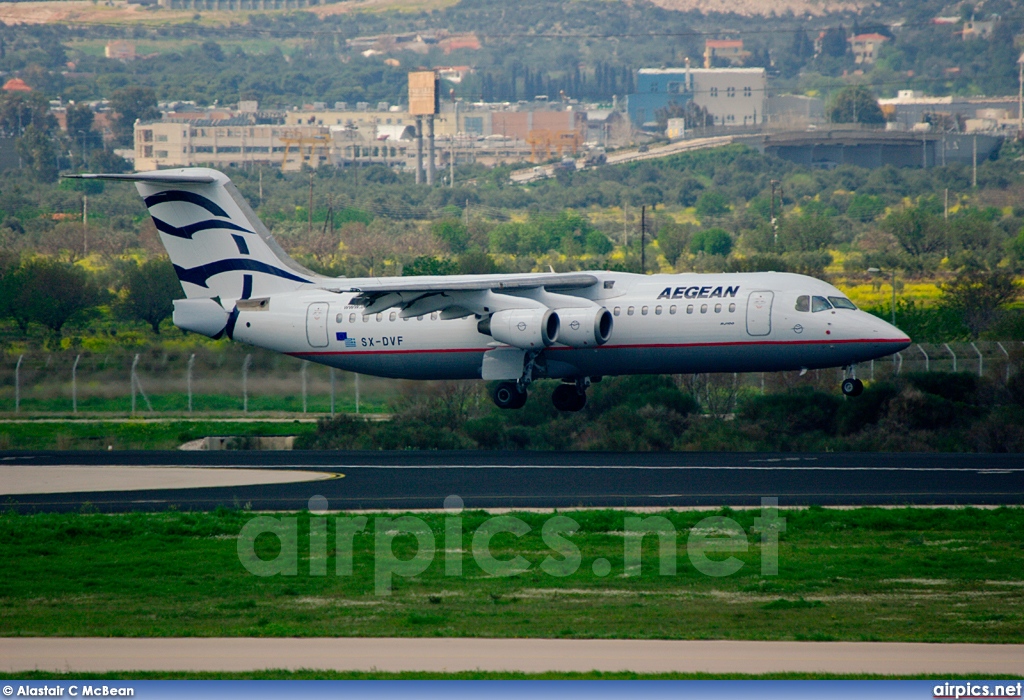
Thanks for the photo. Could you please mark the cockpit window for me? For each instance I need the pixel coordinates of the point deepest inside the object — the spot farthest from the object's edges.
(819, 304)
(803, 303)
(842, 303)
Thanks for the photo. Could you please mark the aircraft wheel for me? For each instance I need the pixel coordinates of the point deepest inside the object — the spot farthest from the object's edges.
(852, 387)
(508, 395)
(567, 398)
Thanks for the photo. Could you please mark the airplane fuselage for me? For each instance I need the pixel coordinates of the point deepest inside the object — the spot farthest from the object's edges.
(678, 324)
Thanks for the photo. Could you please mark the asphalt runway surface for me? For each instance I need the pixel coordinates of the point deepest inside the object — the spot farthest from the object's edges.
(525, 655)
(422, 480)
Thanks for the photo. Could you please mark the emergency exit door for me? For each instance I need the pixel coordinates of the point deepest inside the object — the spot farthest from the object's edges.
(316, 324)
(759, 313)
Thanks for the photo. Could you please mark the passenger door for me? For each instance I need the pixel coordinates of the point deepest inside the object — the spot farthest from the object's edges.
(759, 313)
(316, 324)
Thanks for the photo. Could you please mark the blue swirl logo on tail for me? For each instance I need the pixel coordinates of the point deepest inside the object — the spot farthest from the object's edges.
(199, 276)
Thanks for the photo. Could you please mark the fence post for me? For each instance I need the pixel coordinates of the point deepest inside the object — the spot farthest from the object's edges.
(1007, 361)
(302, 371)
(17, 385)
(927, 362)
(245, 383)
(332, 392)
(74, 385)
(135, 363)
(981, 360)
(188, 379)
(872, 370)
(899, 367)
(951, 353)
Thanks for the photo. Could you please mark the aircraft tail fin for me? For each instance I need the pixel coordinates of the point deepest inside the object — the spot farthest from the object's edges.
(217, 244)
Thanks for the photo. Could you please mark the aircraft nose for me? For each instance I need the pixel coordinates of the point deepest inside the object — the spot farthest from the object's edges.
(892, 335)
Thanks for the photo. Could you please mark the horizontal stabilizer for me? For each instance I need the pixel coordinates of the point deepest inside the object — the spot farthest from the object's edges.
(159, 177)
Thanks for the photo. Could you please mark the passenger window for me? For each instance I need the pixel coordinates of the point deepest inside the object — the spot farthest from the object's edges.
(419, 318)
(819, 304)
(617, 311)
(842, 303)
(657, 311)
(689, 308)
(718, 308)
(351, 318)
(392, 316)
(433, 316)
(365, 318)
(380, 316)
(672, 309)
(629, 311)
(803, 303)
(339, 318)
(703, 308)
(732, 308)
(643, 311)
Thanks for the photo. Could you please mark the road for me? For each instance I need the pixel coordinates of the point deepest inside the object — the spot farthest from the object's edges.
(414, 480)
(525, 655)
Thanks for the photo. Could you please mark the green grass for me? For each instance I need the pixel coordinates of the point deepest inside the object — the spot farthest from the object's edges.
(202, 403)
(925, 575)
(131, 434)
(314, 674)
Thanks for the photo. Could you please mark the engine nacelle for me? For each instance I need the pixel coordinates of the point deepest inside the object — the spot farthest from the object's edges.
(522, 328)
(584, 328)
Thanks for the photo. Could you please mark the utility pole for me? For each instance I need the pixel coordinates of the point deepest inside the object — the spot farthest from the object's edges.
(643, 240)
(945, 208)
(1020, 93)
(310, 211)
(974, 162)
(85, 225)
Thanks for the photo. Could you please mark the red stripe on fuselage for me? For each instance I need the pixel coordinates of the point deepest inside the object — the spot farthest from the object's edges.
(735, 343)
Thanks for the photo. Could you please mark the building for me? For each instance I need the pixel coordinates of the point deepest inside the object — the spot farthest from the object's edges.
(120, 50)
(911, 107)
(865, 47)
(974, 29)
(719, 51)
(229, 143)
(732, 96)
(16, 85)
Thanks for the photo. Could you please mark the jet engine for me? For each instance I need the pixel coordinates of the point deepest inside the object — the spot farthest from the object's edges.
(584, 328)
(522, 328)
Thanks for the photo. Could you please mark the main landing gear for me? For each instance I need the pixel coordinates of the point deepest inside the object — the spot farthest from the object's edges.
(851, 385)
(568, 396)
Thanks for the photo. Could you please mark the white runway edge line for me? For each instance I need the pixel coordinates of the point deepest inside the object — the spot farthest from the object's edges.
(525, 655)
(772, 468)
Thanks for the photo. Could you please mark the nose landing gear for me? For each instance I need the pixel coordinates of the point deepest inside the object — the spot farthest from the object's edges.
(851, 385)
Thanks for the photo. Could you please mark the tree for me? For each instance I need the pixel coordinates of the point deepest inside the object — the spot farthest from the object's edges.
(855, 105)
(131, 104)
(916, 230)
(834, 42)
(50, 293)
(712, 241)
(979, 295)
(452, 233)
(19, 110)
(807, 233)
(150, 289)
(38, 153)
(673, 239)
(80, 119)
(430, 265)
(711, 204)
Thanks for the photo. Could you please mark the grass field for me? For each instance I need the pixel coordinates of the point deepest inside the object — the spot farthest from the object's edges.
(928, 575)
(132, 434)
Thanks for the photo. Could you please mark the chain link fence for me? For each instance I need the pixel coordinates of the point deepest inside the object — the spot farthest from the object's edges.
(239, 381)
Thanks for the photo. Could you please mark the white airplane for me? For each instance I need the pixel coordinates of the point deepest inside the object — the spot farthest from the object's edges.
(514, 328)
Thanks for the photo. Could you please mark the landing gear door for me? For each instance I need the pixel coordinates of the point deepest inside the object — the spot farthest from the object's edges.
(316, 324)
(759, 313)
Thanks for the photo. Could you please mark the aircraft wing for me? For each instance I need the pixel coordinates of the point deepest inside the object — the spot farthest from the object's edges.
(461, 296)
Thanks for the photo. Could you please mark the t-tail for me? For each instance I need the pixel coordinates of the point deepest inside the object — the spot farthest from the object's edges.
(218, 246)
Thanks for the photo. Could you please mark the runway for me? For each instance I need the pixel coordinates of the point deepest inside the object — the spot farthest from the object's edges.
(420, 480)
(524, 655)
